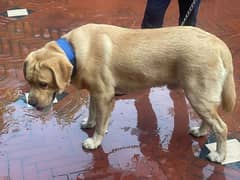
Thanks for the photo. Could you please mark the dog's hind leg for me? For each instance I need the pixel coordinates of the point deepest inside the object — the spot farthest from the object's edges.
(104, 104)
(207, 110)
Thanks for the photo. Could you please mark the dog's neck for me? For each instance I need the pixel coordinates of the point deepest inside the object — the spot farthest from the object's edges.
(69, 51)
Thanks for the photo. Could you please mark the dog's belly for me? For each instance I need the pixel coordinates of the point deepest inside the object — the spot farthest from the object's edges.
(133, 80)
(133, 86)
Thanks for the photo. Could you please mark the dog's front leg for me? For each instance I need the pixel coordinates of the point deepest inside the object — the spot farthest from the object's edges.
(104, 104)
(91, 122)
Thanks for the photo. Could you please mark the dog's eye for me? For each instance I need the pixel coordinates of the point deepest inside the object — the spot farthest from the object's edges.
(43, 85)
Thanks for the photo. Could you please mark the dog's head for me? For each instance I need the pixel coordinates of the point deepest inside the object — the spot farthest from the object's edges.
(48, 72)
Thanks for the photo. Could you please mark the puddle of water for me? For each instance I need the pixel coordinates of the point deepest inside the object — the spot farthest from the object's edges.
(163, 108)
(26, 132)
(123, 121)
(128, 136)
(146, 135)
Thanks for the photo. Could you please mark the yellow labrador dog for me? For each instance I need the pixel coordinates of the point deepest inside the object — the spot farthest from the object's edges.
(105, 59)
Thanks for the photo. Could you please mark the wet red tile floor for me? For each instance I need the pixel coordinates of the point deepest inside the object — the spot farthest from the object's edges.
(147, 136)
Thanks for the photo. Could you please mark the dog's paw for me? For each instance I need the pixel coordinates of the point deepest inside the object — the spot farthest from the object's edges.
(86, 124)
(90, 144)
(215, 157)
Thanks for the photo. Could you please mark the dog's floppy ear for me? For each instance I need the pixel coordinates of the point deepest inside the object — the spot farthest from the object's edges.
(62, 71)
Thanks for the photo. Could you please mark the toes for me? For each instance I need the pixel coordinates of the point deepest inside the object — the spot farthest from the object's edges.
(90, 144)
(215, 157)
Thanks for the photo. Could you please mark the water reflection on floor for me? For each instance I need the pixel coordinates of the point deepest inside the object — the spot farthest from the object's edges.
(147, 136)
(140, 127)
(146, 130)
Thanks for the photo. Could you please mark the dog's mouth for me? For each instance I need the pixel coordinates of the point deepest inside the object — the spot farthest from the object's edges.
(40, 108)
(48, 107)
(54, 99)
(45, 108)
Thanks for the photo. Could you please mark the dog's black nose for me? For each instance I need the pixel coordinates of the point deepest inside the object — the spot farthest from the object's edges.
(32, 102)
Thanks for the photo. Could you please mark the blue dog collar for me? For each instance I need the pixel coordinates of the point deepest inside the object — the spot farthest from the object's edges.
(68, 50)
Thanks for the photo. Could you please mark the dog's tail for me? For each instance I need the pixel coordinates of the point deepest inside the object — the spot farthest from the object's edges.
(228, 92)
